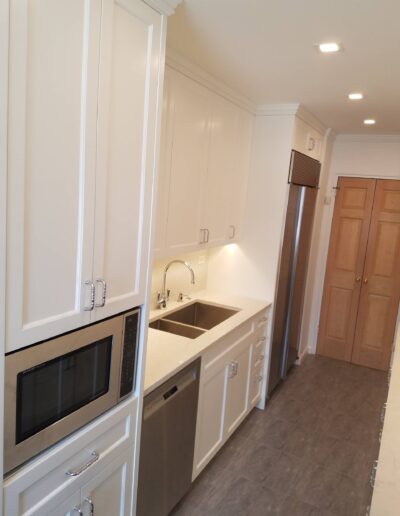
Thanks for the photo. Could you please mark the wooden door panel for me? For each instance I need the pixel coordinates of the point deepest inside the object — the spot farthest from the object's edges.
(381, 287)
(339, 306)
(348, 243)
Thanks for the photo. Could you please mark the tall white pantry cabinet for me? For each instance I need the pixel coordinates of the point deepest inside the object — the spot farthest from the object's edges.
(84, 79)
(81, 89)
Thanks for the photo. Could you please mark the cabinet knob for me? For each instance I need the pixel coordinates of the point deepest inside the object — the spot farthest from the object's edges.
(365, 280)
(358, 279)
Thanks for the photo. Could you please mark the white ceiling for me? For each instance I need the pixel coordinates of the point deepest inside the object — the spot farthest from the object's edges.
(264, 49)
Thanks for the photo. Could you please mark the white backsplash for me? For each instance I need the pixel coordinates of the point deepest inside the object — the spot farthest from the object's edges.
(178, 277)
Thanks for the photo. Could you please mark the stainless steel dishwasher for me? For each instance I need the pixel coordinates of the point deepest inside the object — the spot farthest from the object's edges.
(167, 442)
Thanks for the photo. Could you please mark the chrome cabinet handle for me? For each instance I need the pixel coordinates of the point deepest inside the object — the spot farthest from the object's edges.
(83, 468)
(232, 231)
(104, 293)
(207, 235)
(202, 236)
(90, 502)
(78, 510)
(92, 296)
(233, 369)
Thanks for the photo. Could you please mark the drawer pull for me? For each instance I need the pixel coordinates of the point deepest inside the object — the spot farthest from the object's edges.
(83, 468)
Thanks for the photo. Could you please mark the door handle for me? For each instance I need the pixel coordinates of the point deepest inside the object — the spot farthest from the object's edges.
(104, 293)
(358, 279)
(365, 281)
(92, 296)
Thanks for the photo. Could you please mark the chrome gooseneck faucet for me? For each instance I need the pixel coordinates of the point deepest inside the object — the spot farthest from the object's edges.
(163, 296)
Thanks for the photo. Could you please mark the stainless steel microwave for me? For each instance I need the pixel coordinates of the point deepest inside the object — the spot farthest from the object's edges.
(57, 386)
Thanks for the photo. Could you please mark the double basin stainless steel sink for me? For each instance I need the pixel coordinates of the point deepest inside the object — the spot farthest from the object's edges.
(193, 320)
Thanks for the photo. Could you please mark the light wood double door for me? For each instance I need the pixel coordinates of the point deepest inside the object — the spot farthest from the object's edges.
(362, 281)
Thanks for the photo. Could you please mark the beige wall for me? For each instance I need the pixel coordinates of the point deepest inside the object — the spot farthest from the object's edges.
(352, 156)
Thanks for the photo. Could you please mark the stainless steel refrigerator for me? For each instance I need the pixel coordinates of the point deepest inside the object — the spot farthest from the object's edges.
(292, 273)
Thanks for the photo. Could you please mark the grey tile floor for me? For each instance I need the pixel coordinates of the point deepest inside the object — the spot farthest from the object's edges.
(309, 453)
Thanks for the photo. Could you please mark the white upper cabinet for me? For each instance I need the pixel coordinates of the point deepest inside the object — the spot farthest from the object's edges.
(128, 89)
(206, 142)
(186, 161)
(227, 171)
(307, 139)
(53, 81)
(83, 82)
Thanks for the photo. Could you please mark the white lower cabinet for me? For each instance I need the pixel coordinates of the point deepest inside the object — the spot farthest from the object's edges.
(110, 492)
(93, 466)
(230, 387)
(237, 391)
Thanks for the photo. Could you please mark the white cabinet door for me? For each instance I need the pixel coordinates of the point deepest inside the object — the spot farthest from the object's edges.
(237, 389)
(53, 79)
(128, 92)
(70, 507)
(190, 113)
(240, 172)
(222, 169)
(210, 416)
(163, 172)
(110, 492)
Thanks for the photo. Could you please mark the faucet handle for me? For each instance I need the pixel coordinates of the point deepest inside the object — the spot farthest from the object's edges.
(182, 296)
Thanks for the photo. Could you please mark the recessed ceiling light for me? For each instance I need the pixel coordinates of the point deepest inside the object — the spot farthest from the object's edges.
(369, 121)
(328, 48)
(356, 96)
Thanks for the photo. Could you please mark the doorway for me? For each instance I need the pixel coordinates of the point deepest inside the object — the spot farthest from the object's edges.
(362, 279)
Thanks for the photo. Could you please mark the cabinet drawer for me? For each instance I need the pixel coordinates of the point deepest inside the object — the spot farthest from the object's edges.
(226, 347)
(33, 486)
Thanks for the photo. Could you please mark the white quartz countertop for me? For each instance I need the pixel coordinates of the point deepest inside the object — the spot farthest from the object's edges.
(168, 353)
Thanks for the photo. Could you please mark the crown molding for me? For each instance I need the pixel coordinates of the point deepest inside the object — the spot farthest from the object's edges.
(166, 7)
(310, 119)
(194, 72)
(294, 109)
(277, 109)
(368, 138)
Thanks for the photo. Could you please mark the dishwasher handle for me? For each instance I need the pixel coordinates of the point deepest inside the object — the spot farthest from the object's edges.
(161, 396)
